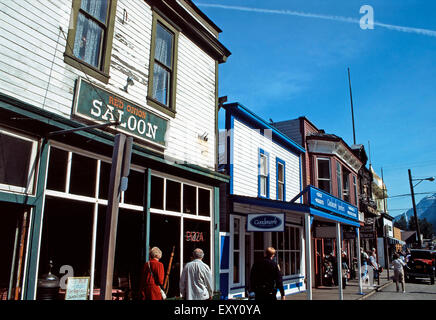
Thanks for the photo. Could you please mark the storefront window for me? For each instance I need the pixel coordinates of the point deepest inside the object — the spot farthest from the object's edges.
(66, 236)
(17, 165)
(74, 226)
(288, 250)
(157, 193)
(236, 250)
(173, 196)
(57, 170)
(165, 234)
(189, 199)
(204, 200)
(82, 179)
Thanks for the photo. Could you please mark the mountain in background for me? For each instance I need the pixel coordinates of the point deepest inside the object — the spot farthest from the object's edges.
(426, 208)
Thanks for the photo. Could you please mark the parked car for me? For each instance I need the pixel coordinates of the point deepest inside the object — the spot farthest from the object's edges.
(421, 264)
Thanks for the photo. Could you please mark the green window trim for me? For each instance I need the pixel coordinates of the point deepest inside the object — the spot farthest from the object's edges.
(169, 110)
(101, 74)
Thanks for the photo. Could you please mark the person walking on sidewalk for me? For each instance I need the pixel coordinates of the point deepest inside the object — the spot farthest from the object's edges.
(374, 265)
(399, 272)
(196, 279)
(265, 278)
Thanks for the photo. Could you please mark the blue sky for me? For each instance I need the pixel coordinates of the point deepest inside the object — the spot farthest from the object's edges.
(285, 64)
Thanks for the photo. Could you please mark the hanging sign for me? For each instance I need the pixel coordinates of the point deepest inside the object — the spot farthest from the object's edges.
(77, 288)
(321, 199)
(266, 222)
(99, 105)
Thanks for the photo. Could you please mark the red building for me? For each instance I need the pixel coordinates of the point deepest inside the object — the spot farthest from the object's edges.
(331, 165)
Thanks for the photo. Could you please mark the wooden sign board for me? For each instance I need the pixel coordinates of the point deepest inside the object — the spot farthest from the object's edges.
(77, 288)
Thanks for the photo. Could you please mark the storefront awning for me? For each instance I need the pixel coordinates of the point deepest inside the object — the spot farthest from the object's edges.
(296, 207)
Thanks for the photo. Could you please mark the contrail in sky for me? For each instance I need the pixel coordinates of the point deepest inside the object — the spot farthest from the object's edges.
(426, 32)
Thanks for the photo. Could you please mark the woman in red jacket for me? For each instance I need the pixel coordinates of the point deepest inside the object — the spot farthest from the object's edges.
(150, 290)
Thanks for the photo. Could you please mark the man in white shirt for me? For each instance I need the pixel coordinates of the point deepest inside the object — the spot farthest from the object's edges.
(399, 272)
(196, 279)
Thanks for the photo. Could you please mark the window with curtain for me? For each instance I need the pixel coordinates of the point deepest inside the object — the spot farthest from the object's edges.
(163, 62)
(90, 31)
(324, 177)
(89, 42)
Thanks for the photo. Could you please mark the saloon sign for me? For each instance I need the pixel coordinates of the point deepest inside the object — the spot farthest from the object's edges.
(266, 222)
(98, 105)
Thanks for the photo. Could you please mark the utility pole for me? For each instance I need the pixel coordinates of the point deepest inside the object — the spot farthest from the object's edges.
(385, 229)
(418, 233)
(352, 109)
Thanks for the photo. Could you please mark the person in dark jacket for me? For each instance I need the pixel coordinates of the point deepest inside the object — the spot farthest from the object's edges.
(265, 278)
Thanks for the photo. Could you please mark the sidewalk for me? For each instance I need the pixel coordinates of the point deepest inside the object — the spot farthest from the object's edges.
(351, 292)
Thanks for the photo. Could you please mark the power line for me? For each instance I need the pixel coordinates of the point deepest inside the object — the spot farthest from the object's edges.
(408, 194)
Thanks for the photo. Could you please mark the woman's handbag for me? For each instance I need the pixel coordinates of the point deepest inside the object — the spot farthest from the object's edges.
(162, 292)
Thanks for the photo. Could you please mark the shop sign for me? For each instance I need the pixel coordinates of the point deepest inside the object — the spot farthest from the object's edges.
(99, 105)
(266, 222)
(325, 232)
(194, 236)
(349, 235)
(367, 228)
(367, 235)
(326, 201)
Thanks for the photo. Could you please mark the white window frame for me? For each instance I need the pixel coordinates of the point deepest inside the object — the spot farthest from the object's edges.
(33, 166)
(324, 179)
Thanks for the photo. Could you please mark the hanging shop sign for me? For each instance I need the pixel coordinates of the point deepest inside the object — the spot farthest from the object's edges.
(323, 200)
(325, 232)
(99, 105)
(367, 235)
(266, 222)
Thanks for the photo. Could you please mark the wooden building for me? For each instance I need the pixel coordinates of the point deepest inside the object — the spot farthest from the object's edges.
(151, 65)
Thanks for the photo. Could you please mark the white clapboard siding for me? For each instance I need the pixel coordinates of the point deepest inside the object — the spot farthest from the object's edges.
(246, 144)
(32, 69)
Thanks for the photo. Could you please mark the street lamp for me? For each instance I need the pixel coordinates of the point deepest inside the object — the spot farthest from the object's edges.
(414, 205)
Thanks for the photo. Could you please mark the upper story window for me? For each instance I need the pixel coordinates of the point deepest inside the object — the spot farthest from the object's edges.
(163, 62)
(355, 189)
(281, 195)
(346, 185)
(324, 174)
(339, 179)
(263, 174)
(89, 42)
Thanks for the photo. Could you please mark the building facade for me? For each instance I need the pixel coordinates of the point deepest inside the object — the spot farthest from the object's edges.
(257, 208)
(147, 69)
(330, 181)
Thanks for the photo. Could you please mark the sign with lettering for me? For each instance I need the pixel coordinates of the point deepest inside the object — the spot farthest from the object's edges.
(194, 236)
(321, 199)
(99, 105)
(266, 222)
(77, 288)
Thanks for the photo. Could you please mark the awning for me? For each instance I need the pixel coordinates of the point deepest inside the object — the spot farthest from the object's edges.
(395, 241)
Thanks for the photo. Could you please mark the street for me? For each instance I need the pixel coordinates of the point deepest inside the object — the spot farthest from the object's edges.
(418, 290)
